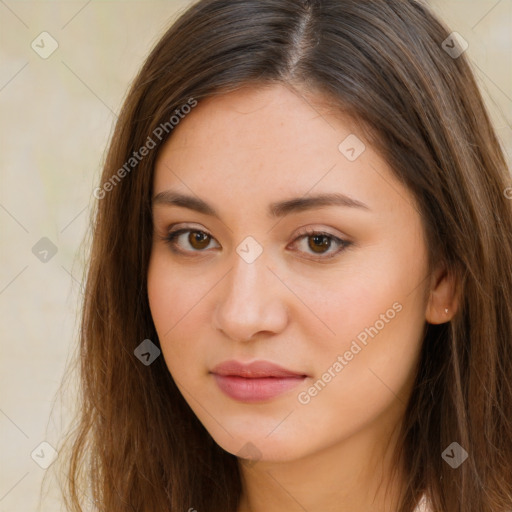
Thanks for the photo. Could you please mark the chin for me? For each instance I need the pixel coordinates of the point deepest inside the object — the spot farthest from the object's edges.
(253, 446)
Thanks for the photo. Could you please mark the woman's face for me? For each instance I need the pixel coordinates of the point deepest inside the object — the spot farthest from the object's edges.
(294, 245)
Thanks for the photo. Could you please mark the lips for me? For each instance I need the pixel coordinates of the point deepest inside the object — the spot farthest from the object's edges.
(257, 369)
(255, 382)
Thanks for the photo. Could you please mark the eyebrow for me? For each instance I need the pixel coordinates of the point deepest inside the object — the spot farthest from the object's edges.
(277, 209)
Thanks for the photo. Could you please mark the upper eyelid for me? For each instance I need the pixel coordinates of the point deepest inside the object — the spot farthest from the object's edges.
(302, 232)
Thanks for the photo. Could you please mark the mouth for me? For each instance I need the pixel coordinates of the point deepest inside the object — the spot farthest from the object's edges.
(255, 382)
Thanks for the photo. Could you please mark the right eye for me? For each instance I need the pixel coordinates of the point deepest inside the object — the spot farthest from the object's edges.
(195, 241)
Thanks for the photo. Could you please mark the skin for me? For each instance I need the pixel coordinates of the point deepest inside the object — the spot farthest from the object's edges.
(239, 152)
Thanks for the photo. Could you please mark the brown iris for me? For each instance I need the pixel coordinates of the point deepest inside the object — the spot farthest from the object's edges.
(320, 242)
(198, 239)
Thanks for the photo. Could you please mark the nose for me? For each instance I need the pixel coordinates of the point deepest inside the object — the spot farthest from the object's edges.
(252, 301)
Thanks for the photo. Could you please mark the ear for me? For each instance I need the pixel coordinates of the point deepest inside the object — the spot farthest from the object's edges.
(443, 295)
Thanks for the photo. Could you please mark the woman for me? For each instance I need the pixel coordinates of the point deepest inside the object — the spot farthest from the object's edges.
(299, 295)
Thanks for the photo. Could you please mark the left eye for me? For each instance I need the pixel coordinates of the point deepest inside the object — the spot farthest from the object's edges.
(317, 241)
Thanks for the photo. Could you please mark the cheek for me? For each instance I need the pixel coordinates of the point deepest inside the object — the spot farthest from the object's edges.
(161, 295)
(363, 377)
(172, 292)
(378, 319)
(176, 299)
(357, 381)
(367, 290)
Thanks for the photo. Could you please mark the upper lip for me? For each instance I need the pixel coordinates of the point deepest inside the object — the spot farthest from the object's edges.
(254, 370)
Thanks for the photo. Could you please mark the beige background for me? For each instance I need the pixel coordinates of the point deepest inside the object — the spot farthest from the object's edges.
(57, 116)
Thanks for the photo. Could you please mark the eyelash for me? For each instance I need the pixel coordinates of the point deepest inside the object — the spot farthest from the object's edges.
(171, 237)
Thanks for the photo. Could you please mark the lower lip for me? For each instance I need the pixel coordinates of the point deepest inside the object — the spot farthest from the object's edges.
(255, 390)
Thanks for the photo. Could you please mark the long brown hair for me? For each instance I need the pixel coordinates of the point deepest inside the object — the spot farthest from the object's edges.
(136, 444)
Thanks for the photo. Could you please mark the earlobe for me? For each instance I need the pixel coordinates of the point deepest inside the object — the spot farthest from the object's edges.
(443, 301)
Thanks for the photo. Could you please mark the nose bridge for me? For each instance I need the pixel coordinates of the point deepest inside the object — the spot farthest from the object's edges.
(245, 289)
(248, 302)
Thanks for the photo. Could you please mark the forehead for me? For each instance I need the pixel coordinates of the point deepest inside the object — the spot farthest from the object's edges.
(272, 142)
(272, 124)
